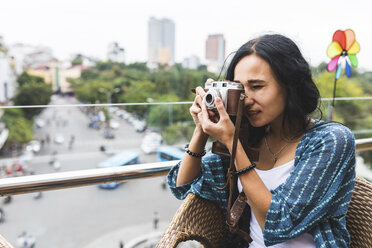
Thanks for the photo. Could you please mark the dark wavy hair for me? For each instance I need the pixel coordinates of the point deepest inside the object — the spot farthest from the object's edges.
(293, 74)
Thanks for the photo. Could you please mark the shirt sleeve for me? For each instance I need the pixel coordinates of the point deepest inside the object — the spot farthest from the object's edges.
(319, 188)
(205, 185)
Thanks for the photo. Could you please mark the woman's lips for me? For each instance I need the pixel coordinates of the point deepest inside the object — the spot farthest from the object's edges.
(253, 114)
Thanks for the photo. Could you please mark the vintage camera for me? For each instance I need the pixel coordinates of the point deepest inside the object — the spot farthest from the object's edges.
(228, 91)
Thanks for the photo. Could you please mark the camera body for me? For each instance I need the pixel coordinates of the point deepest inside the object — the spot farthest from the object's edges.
(228, 91)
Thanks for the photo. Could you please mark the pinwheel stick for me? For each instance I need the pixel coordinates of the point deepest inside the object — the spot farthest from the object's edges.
(332, 105)
(334, 93)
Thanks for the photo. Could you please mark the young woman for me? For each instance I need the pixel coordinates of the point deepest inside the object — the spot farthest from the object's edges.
(300, 188)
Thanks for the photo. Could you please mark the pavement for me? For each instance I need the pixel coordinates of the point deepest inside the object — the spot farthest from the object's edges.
(129, 236)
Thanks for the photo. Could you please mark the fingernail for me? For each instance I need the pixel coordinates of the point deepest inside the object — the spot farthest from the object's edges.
(218, 100)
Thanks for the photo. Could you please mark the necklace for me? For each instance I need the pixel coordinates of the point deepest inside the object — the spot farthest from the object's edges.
(275, 155)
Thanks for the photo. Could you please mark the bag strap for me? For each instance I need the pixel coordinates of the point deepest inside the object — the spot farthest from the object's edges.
(235, 212)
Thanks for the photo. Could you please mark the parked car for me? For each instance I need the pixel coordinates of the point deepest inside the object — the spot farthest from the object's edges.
(122, 114)
(139, 125)
(151, 142)
(59, 139)
(120, 159)
(114, 124)
(107, 134)
(33, 145)
(168, 153)
(40, 123)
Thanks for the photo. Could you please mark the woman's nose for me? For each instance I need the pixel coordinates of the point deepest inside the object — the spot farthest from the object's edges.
(248, 100)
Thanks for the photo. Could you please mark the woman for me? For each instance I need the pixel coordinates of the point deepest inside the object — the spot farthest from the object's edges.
(300, 188)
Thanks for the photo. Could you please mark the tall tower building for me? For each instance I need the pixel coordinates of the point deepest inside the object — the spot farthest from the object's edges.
(161, 33)
(215, 51)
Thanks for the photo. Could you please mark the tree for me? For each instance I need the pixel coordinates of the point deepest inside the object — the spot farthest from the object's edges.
(89, 74)
(33, 94)
(91, 93)
(77, 61)
(138, 66)
(20, 129)
(24, 77)
(159, 115)
(139, 92)
(346, 87)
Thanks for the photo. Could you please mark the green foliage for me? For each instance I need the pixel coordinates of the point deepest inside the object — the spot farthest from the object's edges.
(138, 66)
(163, 115)
(178, 132)
(365, 82)
(137, 92)
(91, 93)
(346, 87)
(77, 61)
(27, 78)
(89, 74)
(33, 94)
(176, 80)
(20, 129)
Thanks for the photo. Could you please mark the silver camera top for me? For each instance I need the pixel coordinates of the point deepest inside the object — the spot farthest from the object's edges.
(219, 89)
(224, 85)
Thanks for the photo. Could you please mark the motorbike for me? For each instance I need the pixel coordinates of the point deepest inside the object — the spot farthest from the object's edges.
(2, 215)
(38, 195)
(7, 199)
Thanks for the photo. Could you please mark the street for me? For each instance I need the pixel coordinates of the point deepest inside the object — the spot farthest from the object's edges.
(76, 217)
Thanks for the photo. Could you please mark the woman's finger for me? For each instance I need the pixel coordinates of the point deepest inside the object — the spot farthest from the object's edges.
(221, 108)
(195, 110)
(200, 91)
(205, 113)
(198, 101)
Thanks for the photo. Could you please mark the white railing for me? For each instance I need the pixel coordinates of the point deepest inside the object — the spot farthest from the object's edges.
(62, 180)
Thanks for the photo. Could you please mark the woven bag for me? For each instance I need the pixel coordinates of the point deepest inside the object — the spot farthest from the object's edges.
(210, 230)
(196, 219)
(4, 243)
(359, 215)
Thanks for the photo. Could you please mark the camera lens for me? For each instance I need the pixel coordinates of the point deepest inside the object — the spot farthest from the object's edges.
(208, 98)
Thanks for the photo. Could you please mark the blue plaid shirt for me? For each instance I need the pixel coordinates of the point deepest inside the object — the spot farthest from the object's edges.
(314, 198)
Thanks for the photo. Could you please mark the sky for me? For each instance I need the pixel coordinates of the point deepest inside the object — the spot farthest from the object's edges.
(81, 26)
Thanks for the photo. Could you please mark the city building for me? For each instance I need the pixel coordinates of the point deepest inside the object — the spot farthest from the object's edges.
(2, 45)
(161, 42)
(57, 74)
(7, 79)
(191, 62)
(29, 56)
(215, 52)
(115, 53)
(80, 59)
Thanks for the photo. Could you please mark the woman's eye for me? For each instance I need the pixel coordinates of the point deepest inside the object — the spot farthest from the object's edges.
(257, 86)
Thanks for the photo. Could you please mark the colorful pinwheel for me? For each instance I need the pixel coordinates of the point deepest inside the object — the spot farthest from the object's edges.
(342, 52)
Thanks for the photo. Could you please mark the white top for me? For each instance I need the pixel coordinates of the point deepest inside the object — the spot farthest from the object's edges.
(272, 179)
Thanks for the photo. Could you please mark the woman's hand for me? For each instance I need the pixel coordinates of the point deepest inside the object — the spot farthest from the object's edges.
(220, 127)
(196, 107)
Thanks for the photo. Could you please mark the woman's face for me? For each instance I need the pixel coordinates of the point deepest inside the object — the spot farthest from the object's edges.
(266, 98)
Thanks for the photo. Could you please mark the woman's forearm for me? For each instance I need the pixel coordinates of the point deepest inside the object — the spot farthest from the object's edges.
(259, 197)
(190, 166)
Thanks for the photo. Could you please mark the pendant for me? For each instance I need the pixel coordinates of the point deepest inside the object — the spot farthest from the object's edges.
(275, 159)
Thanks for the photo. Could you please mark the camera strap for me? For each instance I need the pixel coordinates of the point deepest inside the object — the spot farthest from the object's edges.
(235, 211)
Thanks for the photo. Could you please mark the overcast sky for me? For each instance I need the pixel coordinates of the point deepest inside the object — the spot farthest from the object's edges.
(88, 26)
